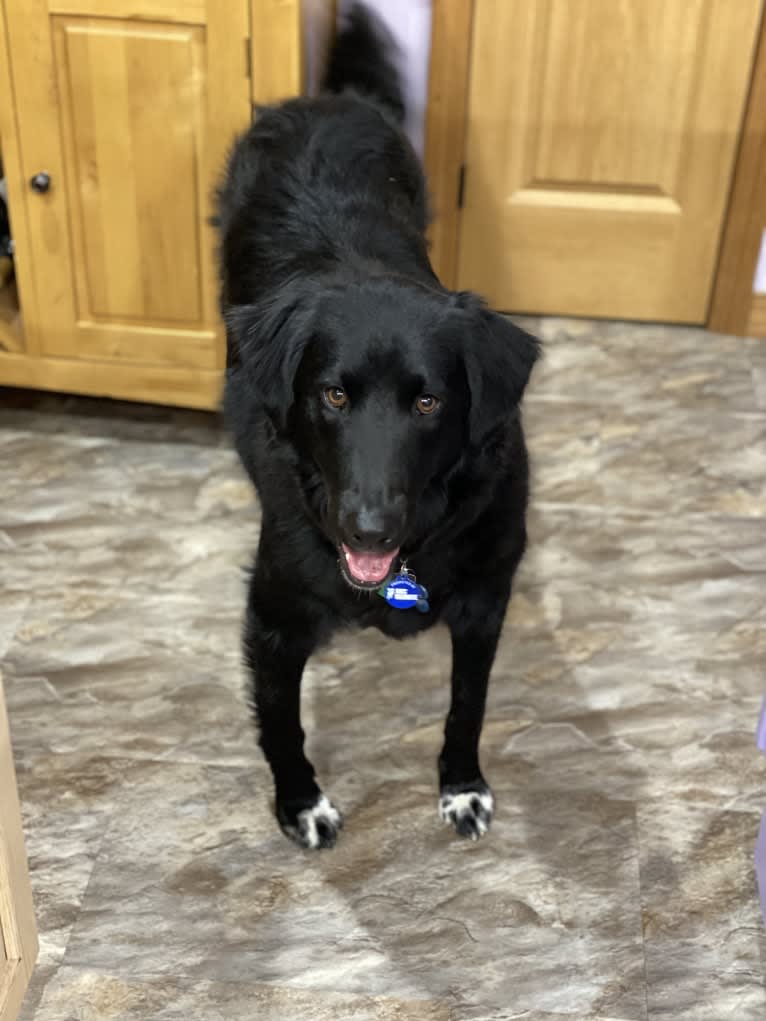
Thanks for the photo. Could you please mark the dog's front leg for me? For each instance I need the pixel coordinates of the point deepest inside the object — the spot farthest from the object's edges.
(277, 645)
(475, 621)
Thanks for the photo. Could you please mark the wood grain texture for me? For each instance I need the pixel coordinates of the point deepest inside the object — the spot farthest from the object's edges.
(730, 307)
(276, 50)
(15, 336)
(132, 117)
(151, 345)
(130, 98)
(186, 12)
(11, 332)
(17, 920)
(131, 108)
(600, 149)
(13, 984)
(228, 112)
(756, 323)
(446, 127)
(165, 384)
(36, 102)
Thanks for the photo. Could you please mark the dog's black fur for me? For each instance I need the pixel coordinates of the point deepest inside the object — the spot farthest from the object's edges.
(327, 284)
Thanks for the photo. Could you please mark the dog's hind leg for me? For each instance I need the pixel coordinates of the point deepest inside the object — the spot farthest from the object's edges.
(277, 643)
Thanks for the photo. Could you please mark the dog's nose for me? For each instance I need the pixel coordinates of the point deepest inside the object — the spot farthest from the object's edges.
(374, 529)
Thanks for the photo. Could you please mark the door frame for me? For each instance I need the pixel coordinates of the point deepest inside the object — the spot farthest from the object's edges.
(732, 306)
(276, 50)
(446, 128)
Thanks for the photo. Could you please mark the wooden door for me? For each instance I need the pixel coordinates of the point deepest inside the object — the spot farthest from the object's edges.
(128, 110)
(601, 141)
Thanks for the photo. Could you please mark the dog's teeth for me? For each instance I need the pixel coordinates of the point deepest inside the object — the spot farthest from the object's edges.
(348, 557)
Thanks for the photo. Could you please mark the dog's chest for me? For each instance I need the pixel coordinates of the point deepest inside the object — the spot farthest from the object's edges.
(395, 623)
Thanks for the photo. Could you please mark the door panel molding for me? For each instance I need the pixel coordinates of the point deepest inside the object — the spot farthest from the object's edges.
(134, 181)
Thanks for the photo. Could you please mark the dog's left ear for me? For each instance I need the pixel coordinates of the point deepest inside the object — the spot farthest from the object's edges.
(270, 338)
(499, 358)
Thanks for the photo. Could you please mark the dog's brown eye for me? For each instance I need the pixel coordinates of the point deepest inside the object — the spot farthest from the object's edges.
(427, 404)
(336, 397)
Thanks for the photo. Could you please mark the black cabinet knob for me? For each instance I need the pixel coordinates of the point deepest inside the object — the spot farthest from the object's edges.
(40, 182)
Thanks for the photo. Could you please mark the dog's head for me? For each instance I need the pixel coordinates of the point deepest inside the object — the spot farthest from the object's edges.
(383, 389)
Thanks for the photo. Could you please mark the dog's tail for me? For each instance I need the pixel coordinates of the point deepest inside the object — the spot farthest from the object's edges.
(363, 59)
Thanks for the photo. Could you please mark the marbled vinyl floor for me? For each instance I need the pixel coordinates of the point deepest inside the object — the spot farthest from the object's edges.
(617, 881)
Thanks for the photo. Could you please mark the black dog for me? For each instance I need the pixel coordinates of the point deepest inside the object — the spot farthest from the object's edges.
(376, 412)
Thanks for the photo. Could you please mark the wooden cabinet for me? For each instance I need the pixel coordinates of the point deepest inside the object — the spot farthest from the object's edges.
(115, 124)
(18, 936)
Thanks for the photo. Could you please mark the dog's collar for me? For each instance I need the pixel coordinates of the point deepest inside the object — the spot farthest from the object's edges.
(403, 591)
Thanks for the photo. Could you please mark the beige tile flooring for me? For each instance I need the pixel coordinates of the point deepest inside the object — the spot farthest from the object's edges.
(617, 881)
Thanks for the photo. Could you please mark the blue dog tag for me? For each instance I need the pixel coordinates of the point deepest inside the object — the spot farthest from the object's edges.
(403, 592)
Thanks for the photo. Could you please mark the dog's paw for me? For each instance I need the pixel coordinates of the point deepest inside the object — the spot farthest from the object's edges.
(311, 825)
(468, 807)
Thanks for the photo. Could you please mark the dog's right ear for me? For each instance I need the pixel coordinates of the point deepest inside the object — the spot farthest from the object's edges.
(269, 338)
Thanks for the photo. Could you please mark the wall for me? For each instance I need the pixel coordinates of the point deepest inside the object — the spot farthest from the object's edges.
(759, 284)
(410, 24)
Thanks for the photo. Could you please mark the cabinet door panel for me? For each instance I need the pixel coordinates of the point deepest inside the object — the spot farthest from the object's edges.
(133, 139)
(131, 117)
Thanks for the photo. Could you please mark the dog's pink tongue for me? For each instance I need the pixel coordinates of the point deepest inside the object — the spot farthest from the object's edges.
(369, 567)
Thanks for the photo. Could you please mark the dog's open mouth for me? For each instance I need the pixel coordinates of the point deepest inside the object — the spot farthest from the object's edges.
(366, 570)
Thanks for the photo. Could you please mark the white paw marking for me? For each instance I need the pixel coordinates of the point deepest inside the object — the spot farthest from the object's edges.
(309, 820)
(460, 810)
